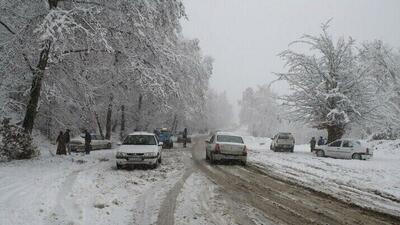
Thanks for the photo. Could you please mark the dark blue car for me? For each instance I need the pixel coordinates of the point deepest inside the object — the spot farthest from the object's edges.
(165, 136)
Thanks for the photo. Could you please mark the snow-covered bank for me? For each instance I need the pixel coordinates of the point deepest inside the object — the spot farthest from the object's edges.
(374, 183)
(80, 189)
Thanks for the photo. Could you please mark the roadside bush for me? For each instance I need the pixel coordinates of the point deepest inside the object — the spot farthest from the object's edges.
(15, 143)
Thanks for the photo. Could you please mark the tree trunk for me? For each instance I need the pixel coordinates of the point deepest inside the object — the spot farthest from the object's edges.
(114, 126)
(99, 124)
(122, 133)
(139, 112)
(334, 133)
(38, 74)
(108, 120)
(174, 124)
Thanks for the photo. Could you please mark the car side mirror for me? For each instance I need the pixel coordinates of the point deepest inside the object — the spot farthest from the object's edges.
(160, 144)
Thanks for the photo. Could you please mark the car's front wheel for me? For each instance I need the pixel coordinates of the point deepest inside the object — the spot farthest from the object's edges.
(356, 156)
(119, 166)
(320, 153)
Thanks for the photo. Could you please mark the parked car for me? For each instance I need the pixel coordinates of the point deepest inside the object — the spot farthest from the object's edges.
(345, 149)
(77, 144)
(165, 136)
(226, 146)
(282, 142)
(139, 148)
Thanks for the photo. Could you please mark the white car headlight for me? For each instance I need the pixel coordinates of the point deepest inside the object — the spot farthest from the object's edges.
(150, 154)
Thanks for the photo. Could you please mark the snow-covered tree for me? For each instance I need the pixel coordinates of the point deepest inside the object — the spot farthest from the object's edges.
(260, 112)
(219, 111)
(77, 63)
(329, 89)
(383, 69)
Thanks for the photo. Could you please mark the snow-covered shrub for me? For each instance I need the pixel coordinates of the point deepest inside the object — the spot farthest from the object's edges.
(15, 143)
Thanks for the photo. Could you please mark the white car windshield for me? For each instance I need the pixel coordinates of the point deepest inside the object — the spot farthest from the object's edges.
(140, 140)
(227, 138)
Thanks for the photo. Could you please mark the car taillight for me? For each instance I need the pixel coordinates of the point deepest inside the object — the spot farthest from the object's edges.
(217, 148)
(245, 150)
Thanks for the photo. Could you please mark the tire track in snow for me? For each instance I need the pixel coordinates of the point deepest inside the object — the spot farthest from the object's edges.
(150, 202)
(166, 216)
(66, 211)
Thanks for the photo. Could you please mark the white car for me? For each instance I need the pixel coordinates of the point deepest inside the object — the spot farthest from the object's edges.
(282, 142)
(139, 148)
(78, 143)
(226, 146)
(345, 149)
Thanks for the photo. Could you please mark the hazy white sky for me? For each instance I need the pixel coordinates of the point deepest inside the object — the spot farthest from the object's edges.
(245, 36)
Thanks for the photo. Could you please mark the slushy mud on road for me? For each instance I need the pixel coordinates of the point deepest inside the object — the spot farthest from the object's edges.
(246, 195)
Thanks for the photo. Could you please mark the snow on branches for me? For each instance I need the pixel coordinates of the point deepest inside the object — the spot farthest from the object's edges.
(92, 56)
(329, 87)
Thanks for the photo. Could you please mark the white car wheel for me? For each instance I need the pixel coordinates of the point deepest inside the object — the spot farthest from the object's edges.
(356, 156)
(320, 153)
(119, 166)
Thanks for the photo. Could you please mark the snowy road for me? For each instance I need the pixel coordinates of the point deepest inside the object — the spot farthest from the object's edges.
(248, 195)
(185, 189)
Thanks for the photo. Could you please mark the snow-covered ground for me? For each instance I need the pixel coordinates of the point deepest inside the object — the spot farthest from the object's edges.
(80, 189)
(373, 183)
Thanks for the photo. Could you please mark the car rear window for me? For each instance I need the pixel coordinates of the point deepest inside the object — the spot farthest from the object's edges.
(140, 140)
(228, 138)
(285, 136)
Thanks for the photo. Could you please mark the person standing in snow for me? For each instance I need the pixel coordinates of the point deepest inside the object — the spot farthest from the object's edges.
(312, 144)
(88, 140)
(61, 150)
(67, 137)
(321, 141)
(184, 135)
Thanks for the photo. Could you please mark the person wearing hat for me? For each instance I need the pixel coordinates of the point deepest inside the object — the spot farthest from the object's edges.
(312, 144)
(321, 141)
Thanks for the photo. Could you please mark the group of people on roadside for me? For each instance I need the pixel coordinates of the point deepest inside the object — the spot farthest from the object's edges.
(63, 142)
(313, 142)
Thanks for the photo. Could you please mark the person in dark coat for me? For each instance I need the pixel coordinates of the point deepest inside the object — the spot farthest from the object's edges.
(184, 135)
(313, 142)
(67, 137)
(88, 140)
(61, 150)
(321, 141)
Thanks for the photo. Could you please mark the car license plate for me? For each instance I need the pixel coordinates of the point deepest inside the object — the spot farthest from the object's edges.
(135, 159)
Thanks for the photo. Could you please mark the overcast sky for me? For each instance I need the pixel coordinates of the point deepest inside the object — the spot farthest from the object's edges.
(245, 36)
